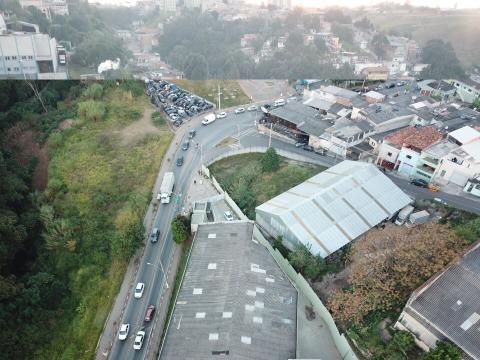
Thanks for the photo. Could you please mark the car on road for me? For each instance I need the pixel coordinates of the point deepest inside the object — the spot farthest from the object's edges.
(279, 102)
(239, 110)
(221, 115)
(419, 183)
(180, 161)
(307, 148)
(139, 290)
(137, 344)
(149, 313)
(252, 108)
(192, 133)
(389, 86)
(228, 215)
(300, 144)
(123, 333)
(433, 187)
(185, 145)
(154, 235)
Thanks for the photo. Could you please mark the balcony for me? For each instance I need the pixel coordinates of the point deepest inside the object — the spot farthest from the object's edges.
(430, 161)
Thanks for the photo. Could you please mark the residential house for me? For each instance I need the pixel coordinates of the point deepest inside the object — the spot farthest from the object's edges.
(247, 39)
(281, 42)
(440, 89)
(473, 186)
(446, 307)
(360, 66)
(467, 90)
(334, 94)
(47, 7)
(401, 150)
(431, 157)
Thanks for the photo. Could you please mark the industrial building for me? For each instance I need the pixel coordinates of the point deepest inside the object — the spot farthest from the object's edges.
(332, 208)
(234, 301)
(447, 307)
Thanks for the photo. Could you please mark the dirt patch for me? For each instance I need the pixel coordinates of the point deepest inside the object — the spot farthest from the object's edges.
(24, 143)
(66, 124)
(331, 283)
(227, 141)
(139, 129)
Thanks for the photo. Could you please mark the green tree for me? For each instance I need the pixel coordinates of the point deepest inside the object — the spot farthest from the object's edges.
(270, 160)
(403, 341)
(476, 103)
(380, 45)
(180, 228)
(443, 61)
(309, 265)
(443, 351)
(197, 67)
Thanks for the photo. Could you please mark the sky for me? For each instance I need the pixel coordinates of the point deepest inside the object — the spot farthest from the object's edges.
(461, 4)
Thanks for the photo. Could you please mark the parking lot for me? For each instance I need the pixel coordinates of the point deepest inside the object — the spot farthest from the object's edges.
(178, 104)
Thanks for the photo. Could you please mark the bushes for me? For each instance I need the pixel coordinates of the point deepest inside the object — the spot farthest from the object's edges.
(93, 92)
(180, 228)
(312, 266)
(91, 110)
(270, 160)
(158, 119)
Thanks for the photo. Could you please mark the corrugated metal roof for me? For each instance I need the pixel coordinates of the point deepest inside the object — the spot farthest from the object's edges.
(338, 205)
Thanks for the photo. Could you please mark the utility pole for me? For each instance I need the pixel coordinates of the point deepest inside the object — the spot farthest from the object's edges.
(270, 138)
(219, 93)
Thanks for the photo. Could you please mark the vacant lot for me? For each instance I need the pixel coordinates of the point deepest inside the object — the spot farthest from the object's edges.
(231, 92)
(241, 176)
(461, 29)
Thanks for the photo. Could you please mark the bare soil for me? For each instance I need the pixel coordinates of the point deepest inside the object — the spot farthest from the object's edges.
(139, 129)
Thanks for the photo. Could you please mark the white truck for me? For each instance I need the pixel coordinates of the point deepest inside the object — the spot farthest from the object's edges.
(418, 217)
(166, 188)
(404, 214)
(210, 118)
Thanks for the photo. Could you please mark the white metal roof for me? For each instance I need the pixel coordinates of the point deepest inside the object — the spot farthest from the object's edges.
(337, 205)
(465, 135)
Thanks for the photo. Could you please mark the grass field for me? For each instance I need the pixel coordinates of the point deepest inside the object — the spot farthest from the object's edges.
(242, 178)
(461, 29)
(232, 94)
(106, 187)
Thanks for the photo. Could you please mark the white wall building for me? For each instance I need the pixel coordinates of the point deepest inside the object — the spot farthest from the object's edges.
(48, 7)
(468, 90)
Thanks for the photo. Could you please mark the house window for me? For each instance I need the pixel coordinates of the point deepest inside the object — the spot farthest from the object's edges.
(14, 58)
(9, 69)
(389, 154)
(24, 57)
(409, 157)
(7, 57)
(442, 173)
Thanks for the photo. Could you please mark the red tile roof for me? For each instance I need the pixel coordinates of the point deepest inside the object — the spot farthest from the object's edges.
(419, 138)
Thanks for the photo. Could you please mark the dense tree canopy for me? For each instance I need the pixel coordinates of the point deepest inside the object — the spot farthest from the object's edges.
(443, 61)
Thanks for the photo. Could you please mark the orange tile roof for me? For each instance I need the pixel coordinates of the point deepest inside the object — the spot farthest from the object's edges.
(419, 138)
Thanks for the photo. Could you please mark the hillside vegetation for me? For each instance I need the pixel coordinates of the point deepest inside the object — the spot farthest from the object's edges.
(460, 29)
(88, 222)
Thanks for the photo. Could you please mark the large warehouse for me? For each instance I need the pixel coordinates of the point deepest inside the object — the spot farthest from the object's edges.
(332, 208)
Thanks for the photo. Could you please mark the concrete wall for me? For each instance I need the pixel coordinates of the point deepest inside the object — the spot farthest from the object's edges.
(472, 188)
(408, 160)
(383, 153)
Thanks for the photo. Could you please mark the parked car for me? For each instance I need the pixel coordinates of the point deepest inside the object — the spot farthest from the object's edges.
(228, 215)
(221, 115)
(180, 161)
(239, 110)
(389, 86)
(300, 144)
(279, 102)
(185, 145)
(123, 333)
(419, 182)
(149, 313)
(252, 108)
(139, 290)
(320, 151)
(433, 187)
(307, 148)
(192, 133)
(154, 235)
(137, 344)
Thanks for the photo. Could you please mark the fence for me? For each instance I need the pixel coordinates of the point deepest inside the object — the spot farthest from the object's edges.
(297, 279)
(262, 149)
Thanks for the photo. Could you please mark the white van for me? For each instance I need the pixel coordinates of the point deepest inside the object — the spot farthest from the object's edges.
(279, 102)
(209, 119)
(404, 214)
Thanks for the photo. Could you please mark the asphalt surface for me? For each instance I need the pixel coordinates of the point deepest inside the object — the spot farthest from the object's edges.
(242, 128)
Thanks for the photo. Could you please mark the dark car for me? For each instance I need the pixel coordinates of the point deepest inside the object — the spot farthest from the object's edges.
(154, 235)
(185, 145)
(149, 313)
(180, 161)
(192, 133)
(419, 182)
(308, 148)
(389, 86)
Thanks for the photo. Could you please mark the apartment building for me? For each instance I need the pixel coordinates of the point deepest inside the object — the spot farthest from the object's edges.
(48, 7)
(467, 90)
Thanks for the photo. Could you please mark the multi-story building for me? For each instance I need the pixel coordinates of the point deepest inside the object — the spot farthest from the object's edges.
(192, 4)
(28, 55)
(167, 5)
(48, 7)
(467, 90)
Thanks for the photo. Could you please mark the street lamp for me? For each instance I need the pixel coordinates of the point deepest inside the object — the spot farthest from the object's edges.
(161, 267)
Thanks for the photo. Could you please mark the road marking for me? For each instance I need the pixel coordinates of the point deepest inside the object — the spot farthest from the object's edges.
(180, 322)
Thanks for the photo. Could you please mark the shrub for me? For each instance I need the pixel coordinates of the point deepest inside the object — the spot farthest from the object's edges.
(91, 110)
(158, 119)
(309, 265)
(270, 160)
(94, 91)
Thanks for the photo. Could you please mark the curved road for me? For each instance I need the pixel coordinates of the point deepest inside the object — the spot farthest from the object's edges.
(243, 128)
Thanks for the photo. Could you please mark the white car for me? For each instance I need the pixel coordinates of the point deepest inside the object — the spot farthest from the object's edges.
(221, 115)
(239, 110)
(139, 290)
(228, 215)
(137, 345)
(123, 333)
(252, 108)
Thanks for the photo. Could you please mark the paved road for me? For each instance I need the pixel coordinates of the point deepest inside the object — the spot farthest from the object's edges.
(241, 127)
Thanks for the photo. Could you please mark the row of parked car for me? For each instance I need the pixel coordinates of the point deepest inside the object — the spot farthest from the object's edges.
(177, 103)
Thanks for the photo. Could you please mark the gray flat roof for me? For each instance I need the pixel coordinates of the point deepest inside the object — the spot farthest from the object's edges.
(450, 302)
(234, 298)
